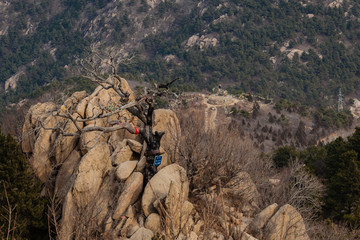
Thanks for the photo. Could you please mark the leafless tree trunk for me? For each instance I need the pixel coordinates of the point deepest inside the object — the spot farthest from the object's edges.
(10, 217)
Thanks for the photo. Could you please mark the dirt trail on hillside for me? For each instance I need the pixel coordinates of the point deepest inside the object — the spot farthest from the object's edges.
(211, 111)
(210, 116)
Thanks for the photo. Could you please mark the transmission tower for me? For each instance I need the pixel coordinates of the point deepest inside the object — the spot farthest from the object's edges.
(340, 101)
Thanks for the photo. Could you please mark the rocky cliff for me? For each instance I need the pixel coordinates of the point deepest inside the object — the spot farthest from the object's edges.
(98, 180)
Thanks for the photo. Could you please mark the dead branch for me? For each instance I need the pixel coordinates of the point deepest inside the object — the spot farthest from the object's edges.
(103, 71)
(11, 222)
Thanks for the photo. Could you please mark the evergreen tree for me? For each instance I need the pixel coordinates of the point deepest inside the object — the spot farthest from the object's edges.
(283, 155)
(334, 150)
(343, 188)
(354, 141)
(20, 190)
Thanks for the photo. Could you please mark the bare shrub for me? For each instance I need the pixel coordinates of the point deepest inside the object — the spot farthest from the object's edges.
(296, 187)
(326, 230)
(216, 157)
(212, 156)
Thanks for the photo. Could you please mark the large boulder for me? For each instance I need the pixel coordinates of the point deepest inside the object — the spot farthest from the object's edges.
(92, 111)
(64, 145)
(132, 189)
(165, 161)
(81, 107)
(135, 146)
(260, 220)
(91, 138)
(37, 113)
(64, 179)
(158, 187)
(100, 209)
(125, 87)
(286, 224)
(92, 168)
(178, 210)
(167, 121)
(40, 160)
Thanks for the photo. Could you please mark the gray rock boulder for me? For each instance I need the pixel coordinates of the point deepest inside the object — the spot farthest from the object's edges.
(159, 186)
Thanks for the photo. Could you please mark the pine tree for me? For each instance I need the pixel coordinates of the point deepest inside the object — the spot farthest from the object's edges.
(334, 150)
(354, 141)
(343, 188)
(20, 190)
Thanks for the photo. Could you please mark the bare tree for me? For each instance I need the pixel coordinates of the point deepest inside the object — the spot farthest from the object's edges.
(10, 217)
(94, 68)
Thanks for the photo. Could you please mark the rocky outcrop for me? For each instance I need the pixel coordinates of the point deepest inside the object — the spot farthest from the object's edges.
(36, 114)
(99, 181)
(11, 82)
(202, 42)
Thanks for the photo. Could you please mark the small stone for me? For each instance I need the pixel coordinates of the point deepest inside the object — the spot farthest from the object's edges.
(141, 165)
(153, 222)
(135, 146)
(121, 155)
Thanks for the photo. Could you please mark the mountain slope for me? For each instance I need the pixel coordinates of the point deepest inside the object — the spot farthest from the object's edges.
(302, 51)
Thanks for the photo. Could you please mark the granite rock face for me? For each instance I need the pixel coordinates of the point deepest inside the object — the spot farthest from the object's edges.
(99, 179)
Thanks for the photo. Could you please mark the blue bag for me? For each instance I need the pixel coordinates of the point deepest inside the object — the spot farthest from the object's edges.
(157, 161)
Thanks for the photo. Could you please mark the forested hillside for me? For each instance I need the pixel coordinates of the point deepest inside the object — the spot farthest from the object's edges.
(298, 50)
